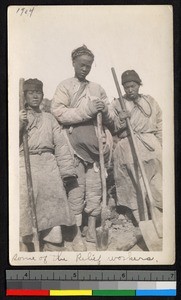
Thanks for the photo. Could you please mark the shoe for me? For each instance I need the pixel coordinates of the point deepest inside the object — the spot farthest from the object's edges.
(84, 231)
(86, 234)
(90, 238)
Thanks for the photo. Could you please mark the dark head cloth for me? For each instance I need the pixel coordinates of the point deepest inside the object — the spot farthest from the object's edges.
(81, 51)
(33, 85)
(130, 75)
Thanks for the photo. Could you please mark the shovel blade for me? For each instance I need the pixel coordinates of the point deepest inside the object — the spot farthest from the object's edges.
(151, 238)
(102, 237)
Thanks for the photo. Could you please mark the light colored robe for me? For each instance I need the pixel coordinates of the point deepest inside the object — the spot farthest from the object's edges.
(146, 121)
(52, 208)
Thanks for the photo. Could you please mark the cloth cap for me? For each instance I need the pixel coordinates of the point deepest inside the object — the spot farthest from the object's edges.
(33, 85)
(130, 75)
(82, 51)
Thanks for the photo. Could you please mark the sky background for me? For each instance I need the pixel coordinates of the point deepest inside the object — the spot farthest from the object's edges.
(125, 37)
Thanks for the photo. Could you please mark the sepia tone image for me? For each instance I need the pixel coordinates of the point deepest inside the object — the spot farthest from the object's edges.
(91, 135)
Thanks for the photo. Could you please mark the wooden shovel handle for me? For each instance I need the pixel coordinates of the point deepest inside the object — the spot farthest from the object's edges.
(28, 171)
(101, 159)
(140, 164)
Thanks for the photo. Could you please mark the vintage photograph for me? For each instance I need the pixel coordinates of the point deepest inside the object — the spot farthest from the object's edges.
(91, 135)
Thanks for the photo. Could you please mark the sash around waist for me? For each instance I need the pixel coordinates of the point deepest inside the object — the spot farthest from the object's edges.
(140, 135)
(38, 151)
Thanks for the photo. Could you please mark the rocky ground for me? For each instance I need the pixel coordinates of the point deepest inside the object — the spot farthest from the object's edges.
(122, 234)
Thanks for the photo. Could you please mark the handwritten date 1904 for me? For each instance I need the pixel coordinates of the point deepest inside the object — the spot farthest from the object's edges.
(25, 11)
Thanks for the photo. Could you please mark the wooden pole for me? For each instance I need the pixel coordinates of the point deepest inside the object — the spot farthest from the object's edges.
(101, 159)
(28, 171)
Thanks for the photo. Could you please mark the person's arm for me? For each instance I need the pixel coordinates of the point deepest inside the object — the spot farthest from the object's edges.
(113, 116)
(64, 113)
(64, 157)
(158, 132)
(23, 121)
(119, 117)
(107, 112)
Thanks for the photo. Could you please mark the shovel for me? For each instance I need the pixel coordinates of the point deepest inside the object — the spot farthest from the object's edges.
(102, 232)
(150, 229)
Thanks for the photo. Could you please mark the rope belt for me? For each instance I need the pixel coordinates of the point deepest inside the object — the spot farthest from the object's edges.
(139, 135)
(40, 151)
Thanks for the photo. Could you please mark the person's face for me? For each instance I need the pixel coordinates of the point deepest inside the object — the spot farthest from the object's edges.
(131, 89)
(34, 98)
(82, 66)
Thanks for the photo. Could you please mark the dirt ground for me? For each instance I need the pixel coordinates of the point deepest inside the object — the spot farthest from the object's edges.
(121, 234)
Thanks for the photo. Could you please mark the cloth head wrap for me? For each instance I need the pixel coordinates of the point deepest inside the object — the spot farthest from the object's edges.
(130, 75)
(82, 51)
(33, 85)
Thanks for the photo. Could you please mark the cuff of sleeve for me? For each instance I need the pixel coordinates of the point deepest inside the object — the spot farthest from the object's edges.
(106, 116)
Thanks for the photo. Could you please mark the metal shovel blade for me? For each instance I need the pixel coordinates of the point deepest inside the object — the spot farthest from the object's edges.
(102, 237)
(151, 238)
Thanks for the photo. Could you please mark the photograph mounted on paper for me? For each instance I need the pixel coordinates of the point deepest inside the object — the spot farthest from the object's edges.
(91, 135)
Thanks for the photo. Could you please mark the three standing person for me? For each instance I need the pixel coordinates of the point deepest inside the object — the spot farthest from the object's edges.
(75, 105)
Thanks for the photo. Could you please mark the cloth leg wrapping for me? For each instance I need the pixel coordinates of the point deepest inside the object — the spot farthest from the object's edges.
(78, 220)
(93, 191)
(77, 192)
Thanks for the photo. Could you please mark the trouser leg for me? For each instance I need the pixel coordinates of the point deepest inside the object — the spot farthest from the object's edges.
(26, 243)
(153, 169)
(93, 191)
(23, 247)
(77, 192)
(153, 172)
(130, 189)
(126, 186)
(78, 243)
(93, 200)
(76, 197)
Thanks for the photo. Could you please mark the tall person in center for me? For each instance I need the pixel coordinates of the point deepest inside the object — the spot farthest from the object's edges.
(75, 105)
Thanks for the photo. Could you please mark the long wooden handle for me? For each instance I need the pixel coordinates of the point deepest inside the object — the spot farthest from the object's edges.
(101, 159)
(28, 170)
(140, 164)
